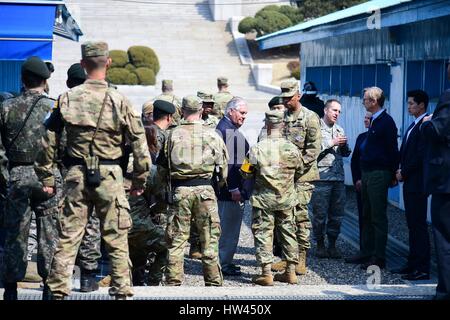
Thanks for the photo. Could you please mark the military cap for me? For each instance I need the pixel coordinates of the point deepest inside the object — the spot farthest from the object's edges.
(274, 116)
(206, 97)
(289, 88)
(76, 71)
(168, 84)
(310, 88)
(164, 106)
(275, 101)
(222, 81)
(191, 103)
(50, 66)
(36, 66)
(147, 107)
(94, 49)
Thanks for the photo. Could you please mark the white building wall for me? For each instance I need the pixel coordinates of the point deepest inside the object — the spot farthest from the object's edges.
(222, 10)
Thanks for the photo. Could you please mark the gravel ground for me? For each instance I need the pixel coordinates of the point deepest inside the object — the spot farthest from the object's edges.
(320, 271)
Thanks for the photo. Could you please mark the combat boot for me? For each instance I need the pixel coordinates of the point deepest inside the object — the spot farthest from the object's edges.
(10, 293)
(105, 282)
(279, 266)
(321, 251)
(87, 281)
(288, 276)
(266, 278)
(46, 293)
(194, 252)
(300, 268)
(122, 297)
(333, 252)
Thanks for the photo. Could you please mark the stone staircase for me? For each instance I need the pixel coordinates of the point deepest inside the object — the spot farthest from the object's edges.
(193, 50)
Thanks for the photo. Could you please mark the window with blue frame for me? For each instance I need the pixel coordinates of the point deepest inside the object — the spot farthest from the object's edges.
(428, 75)
(357, 81)
(335, 81)
(346, 80)
(369, 75)
(326, 81)
(384, 78)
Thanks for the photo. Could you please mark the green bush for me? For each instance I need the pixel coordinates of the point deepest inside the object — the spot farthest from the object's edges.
(145, 76)
(141, 56)
(132, 79)
(130, 67)
(296, 73)
(292, 13)
(272, 7)
(119, 58)
(247, 25)
(272, 21)
(117, 75)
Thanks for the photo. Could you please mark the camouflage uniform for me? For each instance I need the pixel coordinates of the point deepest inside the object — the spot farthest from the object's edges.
(78, 111)
(193, 151)
(303, 129)
(25, 193)
(210, 121)
(277, 164)
(328, 198)
(221, 99)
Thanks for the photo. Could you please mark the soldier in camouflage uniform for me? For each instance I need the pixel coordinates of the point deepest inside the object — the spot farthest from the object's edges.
(21, 121)
(328, 198)
(221, 98)
(95, 138)
(209, 120)
(275, 163)
(191, 154)
(303, 129)
(168, 95)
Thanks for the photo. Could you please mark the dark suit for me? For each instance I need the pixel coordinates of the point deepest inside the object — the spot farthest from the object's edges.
(356, 175)
(415, 199)
(437, 182)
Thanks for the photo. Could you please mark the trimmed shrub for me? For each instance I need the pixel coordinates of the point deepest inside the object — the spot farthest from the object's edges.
(247, 25)
(119, 58)
(272, 21)
(292, 65)
(132, 79)
(272, 7)
(130, 67)
(145, 76)
(292, 13)
(296, 73)
(141, 56)
(117, 75)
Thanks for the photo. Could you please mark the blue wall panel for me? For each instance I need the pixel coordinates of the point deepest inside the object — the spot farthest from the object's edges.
(346, 80)
(357, 81)
(335, 80)
(433, 78)
(10, 79)
(369, 75)
(326, 81)
(384, 78)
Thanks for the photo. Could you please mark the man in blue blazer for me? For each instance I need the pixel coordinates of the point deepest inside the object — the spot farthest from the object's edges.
(414, 197)
(436, 132)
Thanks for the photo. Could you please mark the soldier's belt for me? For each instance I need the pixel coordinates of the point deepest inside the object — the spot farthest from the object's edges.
(72, 161)
(190, 182)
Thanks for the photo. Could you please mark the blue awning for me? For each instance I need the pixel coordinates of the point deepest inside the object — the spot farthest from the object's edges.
(26, 30)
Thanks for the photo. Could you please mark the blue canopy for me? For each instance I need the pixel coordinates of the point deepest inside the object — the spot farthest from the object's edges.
(26, 30)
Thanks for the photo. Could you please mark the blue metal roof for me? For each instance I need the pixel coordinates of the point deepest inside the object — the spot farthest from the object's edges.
(354, 19)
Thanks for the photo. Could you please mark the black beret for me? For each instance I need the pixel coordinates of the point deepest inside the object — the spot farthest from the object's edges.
(76, 71)
(36, 66)
(50, 66)
(274, 101)
(164, 106)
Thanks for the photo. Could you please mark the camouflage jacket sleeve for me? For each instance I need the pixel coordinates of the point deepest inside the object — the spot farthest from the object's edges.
(299, 168)
(313, 140)
(4, 173)
(43, 166)
(134, 131)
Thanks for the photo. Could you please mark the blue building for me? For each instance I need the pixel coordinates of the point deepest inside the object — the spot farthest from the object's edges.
(27, 29)
(397, 45)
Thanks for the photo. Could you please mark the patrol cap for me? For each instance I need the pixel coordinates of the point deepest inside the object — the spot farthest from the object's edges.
(288, 88)
(76, 71)
(164, 106)
(36, 66)
(147, 107)
(191, 103)
(94, 49)
(206, 97)
(274, 116)
(310, 88)
(168, 84)
(275, 101)
(50, 66)
(222, 81)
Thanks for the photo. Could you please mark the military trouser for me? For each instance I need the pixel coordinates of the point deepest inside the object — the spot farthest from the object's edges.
(327, 202)
(199, 202)
(263, 225)
(112, 208)
(89, 252)
(25, 195)
(302, 221)
(158, 211)
(146, 241)
(194, 237)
